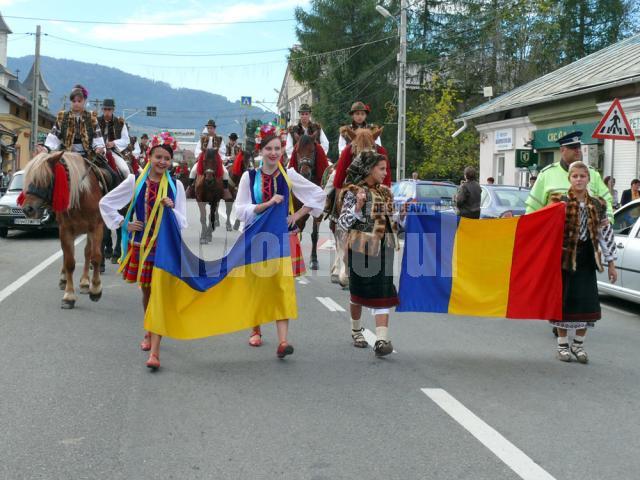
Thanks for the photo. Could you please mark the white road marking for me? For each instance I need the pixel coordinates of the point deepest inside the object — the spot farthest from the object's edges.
(11, 288)
(371, 338)
(302, 281)
(330, 304)
(328, 244)
(511, 455)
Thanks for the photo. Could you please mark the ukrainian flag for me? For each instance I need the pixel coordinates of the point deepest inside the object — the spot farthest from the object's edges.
(508, 268)
(253, 284)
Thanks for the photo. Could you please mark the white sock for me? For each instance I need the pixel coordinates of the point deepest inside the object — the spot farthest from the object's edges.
(355, 325)
(579, 339)
(563, 341)
(382, 333)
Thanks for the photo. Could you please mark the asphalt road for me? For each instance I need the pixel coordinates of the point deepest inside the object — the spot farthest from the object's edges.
(76, 401)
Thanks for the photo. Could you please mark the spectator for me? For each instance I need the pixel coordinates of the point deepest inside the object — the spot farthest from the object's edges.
(414, 176)
(610, 182)
(632, 193)
(468, 196)
(532, 181)
(490, 180)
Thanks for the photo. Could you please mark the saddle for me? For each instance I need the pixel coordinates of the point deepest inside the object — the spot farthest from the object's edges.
(108, 178)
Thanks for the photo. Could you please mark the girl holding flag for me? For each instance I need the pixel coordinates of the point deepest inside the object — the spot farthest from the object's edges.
(269, 185)
(147, 197)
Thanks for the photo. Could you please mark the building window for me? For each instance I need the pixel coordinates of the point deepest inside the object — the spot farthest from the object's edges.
(546, 158)
(499, 169)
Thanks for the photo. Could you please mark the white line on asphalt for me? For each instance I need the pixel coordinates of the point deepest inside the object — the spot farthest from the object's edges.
(302, 281)
(371, 338)
(8, 290)
(330, 304)
(506, 451)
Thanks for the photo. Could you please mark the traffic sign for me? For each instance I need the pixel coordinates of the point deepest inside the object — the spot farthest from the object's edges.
(246, 101)
(614, 125)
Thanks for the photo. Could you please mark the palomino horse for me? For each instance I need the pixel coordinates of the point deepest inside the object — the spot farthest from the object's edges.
(310, 161)
(209, 189)
(80, 214)
(243, 162)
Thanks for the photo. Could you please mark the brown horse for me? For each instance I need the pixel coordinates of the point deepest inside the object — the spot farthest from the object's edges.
(82, 215)
(235, 174)
(307, 155)
(209, 190)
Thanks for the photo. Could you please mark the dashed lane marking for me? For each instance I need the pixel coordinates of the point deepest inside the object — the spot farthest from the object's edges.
(11, 288)
(506, 451)
(330, 304)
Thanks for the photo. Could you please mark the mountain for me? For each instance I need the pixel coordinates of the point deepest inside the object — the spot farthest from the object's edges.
(176, 107)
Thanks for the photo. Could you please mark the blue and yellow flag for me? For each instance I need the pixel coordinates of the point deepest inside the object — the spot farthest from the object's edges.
(253, 284)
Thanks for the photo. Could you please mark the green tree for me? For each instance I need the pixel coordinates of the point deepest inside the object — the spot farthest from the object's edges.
(430, 122)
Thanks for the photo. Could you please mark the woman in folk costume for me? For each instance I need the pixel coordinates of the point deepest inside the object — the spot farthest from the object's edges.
(366, 212)
(359, 113)
(587, 236)
(268, 185)
(146, 196)
(75, 130)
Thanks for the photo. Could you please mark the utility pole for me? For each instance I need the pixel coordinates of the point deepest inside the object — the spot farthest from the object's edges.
(35, 94)
(402, 93)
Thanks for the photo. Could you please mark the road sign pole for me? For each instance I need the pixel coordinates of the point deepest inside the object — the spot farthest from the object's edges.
(613, 156)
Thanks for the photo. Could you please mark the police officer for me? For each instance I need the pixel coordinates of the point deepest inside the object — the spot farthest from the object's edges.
(554, 178)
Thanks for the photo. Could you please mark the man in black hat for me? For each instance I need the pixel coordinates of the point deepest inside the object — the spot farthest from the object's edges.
(232, 150)
(305, 127)
(115, 134)
(554, 178)
(359, 113)
(140, 151)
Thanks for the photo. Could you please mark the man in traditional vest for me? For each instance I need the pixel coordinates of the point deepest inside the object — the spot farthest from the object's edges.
(232, 149)
(209, 140)
(359, 113)
(141, 150)
(116, 136)
(305, 127)
(554, 178)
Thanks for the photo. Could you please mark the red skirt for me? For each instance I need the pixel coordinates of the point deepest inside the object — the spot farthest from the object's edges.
(130, 271)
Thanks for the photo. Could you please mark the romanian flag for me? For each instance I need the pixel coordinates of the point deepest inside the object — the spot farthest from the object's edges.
(253, 284)
(509, 268)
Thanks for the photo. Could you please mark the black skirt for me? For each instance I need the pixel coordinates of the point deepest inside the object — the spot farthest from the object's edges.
(580, 301)
(371, 279)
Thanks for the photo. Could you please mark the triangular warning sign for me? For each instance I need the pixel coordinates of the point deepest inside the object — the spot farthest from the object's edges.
(614, 125)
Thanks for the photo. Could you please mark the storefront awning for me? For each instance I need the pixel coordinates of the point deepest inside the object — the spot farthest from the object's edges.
(547, 138)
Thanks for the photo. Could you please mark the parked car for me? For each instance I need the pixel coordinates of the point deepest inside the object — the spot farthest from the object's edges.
(626, 228)
(439, 194)
(12, 216)
(500, 201)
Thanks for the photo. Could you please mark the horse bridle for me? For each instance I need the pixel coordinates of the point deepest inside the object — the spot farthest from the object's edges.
(46, 193)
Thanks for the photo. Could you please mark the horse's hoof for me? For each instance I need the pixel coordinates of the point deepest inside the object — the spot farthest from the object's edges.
(84, 289)
(68, 304)
(203, 241)
(236, 226)
(229, 228)
(94, 297)
(335, 279)
(315, 265)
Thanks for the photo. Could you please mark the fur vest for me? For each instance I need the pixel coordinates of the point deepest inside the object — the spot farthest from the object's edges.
(297, 131)
(112, 131)
(597, 212)
(377, 229)
(67, 129)
(204, 142)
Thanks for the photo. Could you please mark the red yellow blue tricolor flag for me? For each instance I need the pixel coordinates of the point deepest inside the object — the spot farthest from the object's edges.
(509, 268)
(253, 284)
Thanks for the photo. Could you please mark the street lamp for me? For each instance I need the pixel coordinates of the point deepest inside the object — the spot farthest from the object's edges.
(402, 86)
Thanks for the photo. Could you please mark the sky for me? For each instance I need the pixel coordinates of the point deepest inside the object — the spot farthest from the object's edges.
(189, 64)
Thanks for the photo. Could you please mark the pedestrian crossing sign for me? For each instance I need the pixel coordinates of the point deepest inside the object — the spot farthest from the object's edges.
(614, 125)
(245, 101)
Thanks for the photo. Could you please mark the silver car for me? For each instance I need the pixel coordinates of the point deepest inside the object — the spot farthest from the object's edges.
(626, 228)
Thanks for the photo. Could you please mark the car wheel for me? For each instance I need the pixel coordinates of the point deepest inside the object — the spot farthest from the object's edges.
(4, 231)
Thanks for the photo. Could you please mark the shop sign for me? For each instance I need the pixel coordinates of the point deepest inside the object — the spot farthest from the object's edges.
(504, 139)
(526, 158)
(548, 137)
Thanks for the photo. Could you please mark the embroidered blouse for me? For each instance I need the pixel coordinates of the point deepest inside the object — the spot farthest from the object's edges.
(605, 236)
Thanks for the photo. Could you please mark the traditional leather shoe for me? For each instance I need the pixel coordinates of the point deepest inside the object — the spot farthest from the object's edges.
(382, 348)
(153, 362)
(284, 349)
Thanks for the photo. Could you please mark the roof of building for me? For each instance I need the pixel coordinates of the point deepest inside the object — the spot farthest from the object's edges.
(4, 28)
(615, 65)
(28, 82)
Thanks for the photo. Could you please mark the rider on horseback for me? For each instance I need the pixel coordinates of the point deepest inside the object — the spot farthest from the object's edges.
(359, 112)
(232, 149)
(141, 150)
(305, 127)
(116, 136)
(210, 141)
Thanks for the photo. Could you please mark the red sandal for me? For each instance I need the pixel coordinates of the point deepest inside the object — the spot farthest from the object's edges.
(153, 362)
(145, 344)
(255, 340)
(284, 349)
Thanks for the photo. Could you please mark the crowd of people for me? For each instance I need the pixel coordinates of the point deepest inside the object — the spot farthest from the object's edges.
(364, 218)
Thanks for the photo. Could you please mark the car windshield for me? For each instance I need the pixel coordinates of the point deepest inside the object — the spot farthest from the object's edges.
(16, 182)
(444, 193)
(510, 197)
(624, 219)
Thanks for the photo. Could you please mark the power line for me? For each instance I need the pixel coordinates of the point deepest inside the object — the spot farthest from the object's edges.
(106, 22)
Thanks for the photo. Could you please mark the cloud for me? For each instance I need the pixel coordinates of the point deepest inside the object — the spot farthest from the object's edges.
(193, 19)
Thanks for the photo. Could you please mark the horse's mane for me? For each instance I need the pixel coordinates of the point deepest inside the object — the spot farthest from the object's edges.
(39, 173)
(363, 141)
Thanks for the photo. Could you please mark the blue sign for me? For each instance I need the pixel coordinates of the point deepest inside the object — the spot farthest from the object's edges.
(246, 101)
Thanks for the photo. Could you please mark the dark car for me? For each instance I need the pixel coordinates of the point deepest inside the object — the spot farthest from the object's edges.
(438, 194)
(500, 201)
(12, 216)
